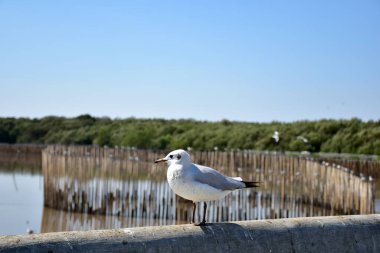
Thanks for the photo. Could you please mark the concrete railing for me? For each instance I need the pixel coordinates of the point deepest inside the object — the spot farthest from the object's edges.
(360, 233)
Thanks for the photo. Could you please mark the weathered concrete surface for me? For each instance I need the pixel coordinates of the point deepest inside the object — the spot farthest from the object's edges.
(360, 233)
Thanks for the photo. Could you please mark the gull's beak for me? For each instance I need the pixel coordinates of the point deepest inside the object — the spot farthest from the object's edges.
(160, 160)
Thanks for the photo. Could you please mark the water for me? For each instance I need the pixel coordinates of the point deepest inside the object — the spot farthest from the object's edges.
(21, 202)
(147, 202)
(21, 207)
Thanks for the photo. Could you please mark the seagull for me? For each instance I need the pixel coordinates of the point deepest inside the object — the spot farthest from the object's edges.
(199, 183)
(302, 139)
(276, 136)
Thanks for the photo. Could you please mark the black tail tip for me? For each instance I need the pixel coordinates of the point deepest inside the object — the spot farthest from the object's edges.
(251, 184)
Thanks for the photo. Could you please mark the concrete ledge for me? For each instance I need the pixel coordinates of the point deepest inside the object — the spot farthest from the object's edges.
(359, 233)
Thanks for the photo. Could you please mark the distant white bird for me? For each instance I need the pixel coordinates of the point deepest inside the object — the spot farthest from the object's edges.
(199, 183)
(302, 139)
(276, 136)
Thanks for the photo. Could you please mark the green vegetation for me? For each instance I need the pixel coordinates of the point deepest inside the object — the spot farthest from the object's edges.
(338, 136)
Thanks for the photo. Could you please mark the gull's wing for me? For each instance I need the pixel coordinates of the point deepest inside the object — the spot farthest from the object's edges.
(214, 178)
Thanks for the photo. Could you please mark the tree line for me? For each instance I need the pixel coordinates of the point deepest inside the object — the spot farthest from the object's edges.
(338, 136)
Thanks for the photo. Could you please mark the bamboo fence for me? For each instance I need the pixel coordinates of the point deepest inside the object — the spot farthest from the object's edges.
(125, 182)
(21, 153)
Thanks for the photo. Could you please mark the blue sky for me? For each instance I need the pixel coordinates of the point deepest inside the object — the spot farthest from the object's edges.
(207, 60)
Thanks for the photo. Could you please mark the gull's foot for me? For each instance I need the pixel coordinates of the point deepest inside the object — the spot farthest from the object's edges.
(203, 223)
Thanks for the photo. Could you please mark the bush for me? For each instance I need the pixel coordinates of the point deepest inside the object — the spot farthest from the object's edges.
(349, 136)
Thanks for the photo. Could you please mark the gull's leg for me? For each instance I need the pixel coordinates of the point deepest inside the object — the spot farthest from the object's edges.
(204, 214)
(194, 207)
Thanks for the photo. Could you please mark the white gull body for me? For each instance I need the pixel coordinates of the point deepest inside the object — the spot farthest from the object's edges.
(196, 182)
(199, 183)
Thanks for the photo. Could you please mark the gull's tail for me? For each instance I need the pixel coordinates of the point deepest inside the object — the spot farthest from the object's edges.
(251, 184)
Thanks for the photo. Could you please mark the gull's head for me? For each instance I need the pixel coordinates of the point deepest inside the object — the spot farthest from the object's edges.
(178, 156)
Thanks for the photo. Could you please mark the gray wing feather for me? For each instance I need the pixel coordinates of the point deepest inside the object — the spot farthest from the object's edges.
(216, 179)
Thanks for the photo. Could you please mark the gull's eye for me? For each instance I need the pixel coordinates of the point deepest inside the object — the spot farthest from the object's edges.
(171, 156)
(179, 157)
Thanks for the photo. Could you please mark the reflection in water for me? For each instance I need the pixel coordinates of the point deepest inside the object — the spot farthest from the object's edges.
(57, 220)
(132, 192)
(156, 205)
(108, 181)
(153, 203)
(154, 199)
(21, 202)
